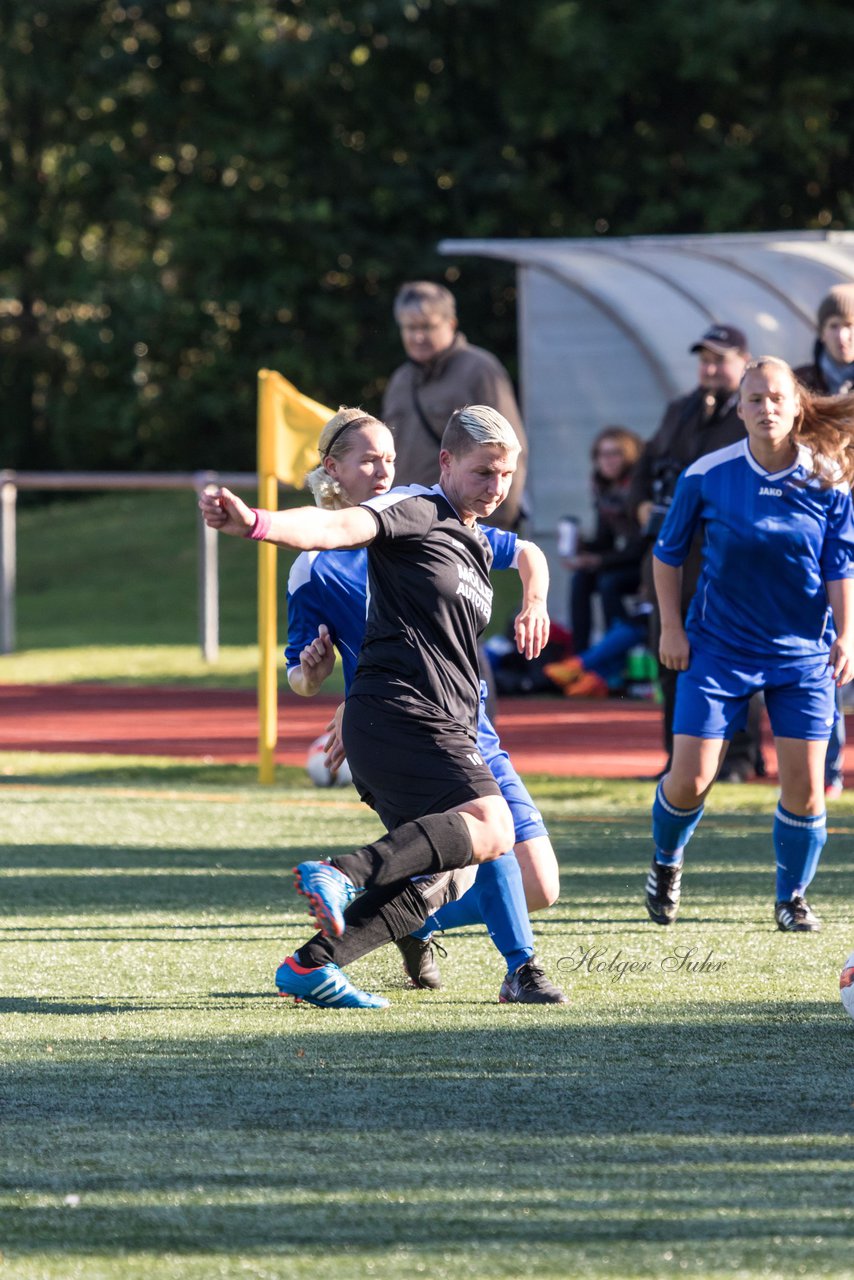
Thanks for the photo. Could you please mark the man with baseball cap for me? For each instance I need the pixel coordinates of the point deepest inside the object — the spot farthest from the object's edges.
(692, 426)
(832, 374)
(698, 423)
(722, 338)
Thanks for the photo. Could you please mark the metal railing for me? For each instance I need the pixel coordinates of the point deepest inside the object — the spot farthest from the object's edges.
(208, 577)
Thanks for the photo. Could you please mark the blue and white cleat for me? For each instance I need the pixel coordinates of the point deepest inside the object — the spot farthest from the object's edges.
(326, 987)
(328, 891)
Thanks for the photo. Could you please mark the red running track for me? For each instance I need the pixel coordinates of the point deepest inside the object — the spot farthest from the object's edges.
(611, 738)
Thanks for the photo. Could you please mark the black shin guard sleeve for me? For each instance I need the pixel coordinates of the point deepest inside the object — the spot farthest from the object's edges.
(436, 842)
(373, 919)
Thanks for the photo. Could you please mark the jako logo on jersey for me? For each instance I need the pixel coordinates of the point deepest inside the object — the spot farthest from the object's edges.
(765, 492)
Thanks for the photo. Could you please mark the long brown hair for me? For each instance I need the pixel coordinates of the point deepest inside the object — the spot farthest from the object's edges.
(825, 424)
(629, 444)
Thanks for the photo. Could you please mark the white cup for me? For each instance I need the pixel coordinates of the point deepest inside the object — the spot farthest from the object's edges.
(567, 537)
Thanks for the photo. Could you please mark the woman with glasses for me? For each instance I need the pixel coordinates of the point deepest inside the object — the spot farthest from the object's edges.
(608, 563)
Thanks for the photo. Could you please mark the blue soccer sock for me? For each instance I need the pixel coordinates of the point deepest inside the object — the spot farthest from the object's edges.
(504, 909)
(457, 914)
(672, 828)
(496, 899)
(453, 915)
(798, 842)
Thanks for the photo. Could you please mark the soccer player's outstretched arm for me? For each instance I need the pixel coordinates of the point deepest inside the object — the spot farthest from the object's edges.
(302, 528)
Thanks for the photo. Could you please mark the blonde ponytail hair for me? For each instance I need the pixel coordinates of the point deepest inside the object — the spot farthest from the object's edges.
(335, 442)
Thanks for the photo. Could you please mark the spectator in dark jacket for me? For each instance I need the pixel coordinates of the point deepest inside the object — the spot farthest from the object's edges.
(608, 563)
(692, 426)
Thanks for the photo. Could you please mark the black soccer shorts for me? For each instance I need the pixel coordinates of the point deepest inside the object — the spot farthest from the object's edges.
(409, 759)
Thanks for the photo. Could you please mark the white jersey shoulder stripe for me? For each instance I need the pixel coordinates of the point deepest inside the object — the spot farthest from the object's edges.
(301, 570)
(803, 460)
(709, 461)
(385, 500)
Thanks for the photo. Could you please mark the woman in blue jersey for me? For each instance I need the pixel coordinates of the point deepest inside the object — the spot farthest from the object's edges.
(326, 610)
(773, 611)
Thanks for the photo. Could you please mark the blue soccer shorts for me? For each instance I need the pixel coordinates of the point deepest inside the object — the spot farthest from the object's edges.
(527, 819)
(712, 696)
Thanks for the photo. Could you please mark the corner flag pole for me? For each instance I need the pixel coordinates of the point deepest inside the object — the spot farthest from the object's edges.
(289, 426)
(268, 496)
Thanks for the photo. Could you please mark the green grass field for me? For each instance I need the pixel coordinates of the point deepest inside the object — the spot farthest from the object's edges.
(165, 1114)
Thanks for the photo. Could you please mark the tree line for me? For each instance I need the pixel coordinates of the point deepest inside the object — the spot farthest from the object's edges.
(193, 189)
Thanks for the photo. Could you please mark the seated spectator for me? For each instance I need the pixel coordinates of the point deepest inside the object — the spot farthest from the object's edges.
(608, 564)
(590, 673)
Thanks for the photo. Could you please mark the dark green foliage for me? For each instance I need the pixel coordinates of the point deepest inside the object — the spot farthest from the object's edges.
(190, 191)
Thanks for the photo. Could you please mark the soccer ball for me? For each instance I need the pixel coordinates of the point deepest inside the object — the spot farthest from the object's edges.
(846, 986)
(318, 770)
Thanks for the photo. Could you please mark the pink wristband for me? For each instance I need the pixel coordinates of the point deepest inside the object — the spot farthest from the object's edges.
(261, 527)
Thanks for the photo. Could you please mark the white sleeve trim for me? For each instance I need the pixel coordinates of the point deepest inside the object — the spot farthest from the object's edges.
(521, 544)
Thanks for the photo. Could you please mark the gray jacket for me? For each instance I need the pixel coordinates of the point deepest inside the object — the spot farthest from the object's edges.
(420, 398)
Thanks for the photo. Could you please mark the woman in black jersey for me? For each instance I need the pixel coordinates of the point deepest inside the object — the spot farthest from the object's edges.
(410, 720)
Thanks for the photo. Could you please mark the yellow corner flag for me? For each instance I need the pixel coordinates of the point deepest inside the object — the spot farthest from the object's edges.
(289, 426)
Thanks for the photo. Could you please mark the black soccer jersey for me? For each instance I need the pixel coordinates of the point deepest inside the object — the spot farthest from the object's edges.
(429, 598)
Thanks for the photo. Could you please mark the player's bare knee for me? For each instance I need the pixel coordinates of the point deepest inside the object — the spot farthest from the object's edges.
(541, 892)
(490, 825)
(804, 801)
(491, 841)
(540, 874)
(504, 833)
(686, 791)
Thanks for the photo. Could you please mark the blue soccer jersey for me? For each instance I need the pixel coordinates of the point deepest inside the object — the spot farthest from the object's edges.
(770, 543)
(329, 587)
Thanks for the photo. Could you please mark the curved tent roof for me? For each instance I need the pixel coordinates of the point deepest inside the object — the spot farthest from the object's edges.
(605, 327)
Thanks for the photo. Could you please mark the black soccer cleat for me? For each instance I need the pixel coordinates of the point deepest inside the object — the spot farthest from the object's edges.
(529, 985)
(419, 961)
(663, 891)
(796, 916)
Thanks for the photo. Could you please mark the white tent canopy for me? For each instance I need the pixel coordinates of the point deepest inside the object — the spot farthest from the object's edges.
(605, 328)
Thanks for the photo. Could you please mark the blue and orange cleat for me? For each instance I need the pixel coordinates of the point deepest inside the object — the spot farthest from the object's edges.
(326, 987)
(328, 891)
